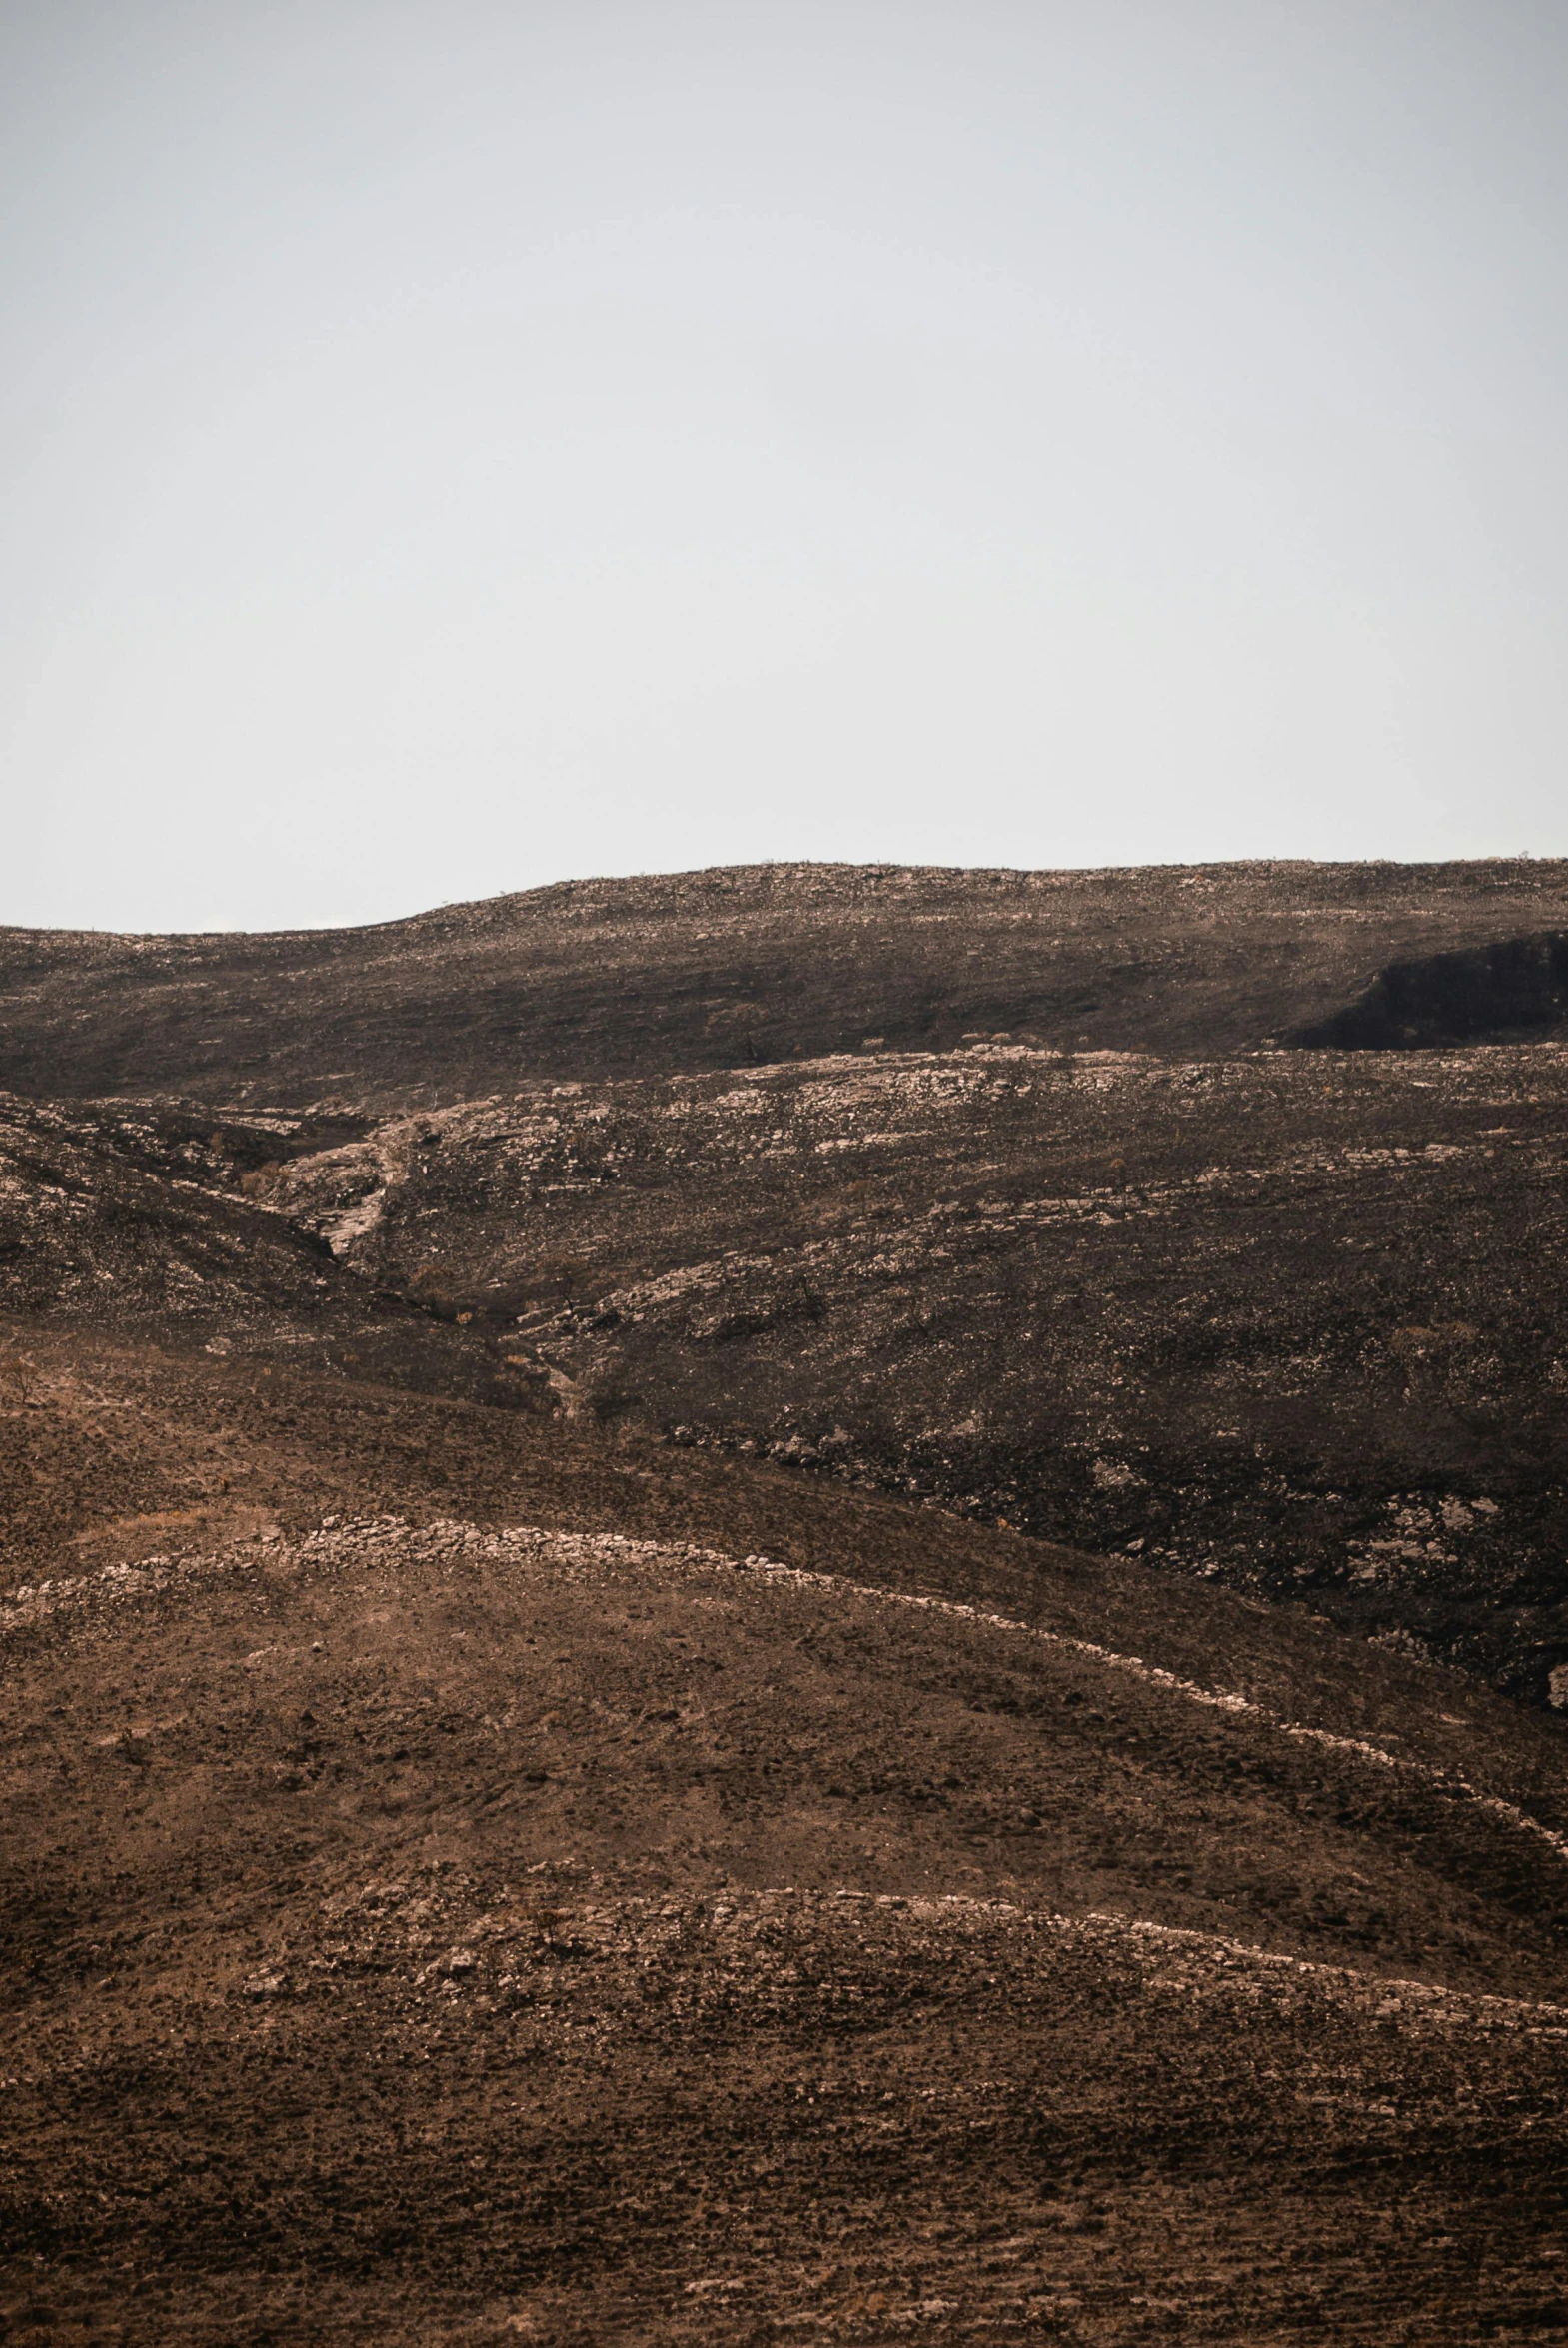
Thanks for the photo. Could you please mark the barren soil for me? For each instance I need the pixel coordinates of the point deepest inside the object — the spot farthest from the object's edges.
(701, 971)
(693, 1654)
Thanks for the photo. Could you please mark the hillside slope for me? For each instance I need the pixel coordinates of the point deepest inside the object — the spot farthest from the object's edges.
(427, 1927)
(702, 970)
(1285, 1319)
(572, 1771)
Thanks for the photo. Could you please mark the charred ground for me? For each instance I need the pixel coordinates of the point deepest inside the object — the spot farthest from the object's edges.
(1284, 1314)
(570, 1774)
(707, 970)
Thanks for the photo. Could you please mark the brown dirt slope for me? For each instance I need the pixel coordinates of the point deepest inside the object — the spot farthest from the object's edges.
(566, 1773)
(527, 1912)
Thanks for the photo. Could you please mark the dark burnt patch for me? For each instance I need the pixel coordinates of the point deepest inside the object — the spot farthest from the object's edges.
(1512, 989)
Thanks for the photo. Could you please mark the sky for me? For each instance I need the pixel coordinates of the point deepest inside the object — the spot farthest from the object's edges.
(450, 447)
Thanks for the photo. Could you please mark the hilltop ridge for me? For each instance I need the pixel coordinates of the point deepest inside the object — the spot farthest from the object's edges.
(748, 965)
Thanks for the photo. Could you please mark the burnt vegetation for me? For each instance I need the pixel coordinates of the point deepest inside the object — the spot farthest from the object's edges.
(810, 1602)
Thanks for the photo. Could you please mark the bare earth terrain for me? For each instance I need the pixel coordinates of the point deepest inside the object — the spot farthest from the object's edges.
(793, 1606)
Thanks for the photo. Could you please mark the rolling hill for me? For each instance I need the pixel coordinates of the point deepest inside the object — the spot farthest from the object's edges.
(804, 1604)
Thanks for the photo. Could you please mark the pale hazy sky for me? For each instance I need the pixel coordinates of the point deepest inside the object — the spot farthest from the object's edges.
(445, 448)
